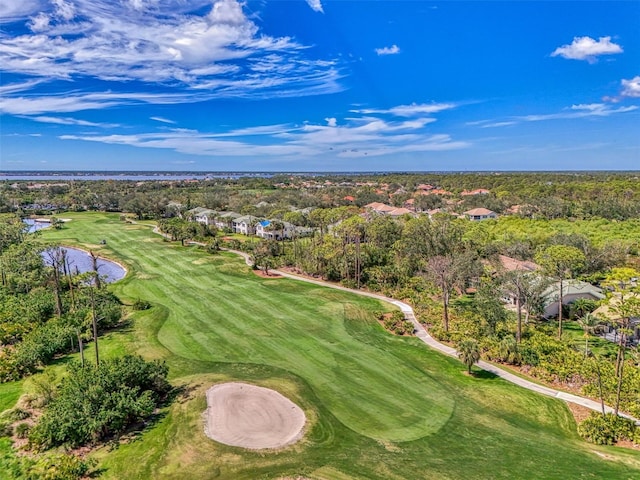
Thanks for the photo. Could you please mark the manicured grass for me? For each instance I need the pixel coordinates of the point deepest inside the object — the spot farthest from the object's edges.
(378, 406)
(598, 345)
(9, 394)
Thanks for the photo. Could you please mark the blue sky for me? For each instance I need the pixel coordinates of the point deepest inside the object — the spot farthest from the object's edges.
(319, 85)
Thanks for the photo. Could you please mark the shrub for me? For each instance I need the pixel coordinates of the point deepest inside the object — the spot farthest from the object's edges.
(6, 430)
(55, 467)
(607, 429)
(396, 323)
(15, 414)
(22, 430)
(141, 305)
(94, 403)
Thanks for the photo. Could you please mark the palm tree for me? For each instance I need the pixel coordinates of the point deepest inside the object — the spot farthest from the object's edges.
(588, 322)
(469, 352)
(581, 306)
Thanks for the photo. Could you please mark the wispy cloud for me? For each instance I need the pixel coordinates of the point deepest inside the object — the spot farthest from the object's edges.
(68, 102)
(360, 136)
(19, 87)
(584, 110)
(410, 110)
(586, 48)
(15, 10)
(392, 50)
(166, 42)
(580, 111)
(316, 5)
(162, 119)
(497, 124)
(72, 121)
(59, 104)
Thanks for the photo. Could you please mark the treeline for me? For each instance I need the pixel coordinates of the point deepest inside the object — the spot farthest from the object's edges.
(536, 195)
(47, 309)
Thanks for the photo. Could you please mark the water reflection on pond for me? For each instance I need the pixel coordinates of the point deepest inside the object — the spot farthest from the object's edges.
(80, 261)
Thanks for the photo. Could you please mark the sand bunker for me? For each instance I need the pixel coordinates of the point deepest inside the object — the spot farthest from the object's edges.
(244, 415)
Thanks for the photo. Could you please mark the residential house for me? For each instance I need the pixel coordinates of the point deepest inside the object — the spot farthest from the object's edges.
(194, 211)
(379, 208)
(245, 225)
(510, 264)
(225, 219)
(571, 291)
(174, 209)
(399, 212)
(410, 204)
(205, 216)
(288, 230)
(479, 214)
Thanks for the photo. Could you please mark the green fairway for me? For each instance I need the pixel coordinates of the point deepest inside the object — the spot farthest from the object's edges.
(378, 406)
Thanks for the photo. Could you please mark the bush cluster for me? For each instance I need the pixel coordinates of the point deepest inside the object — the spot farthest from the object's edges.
(608, 429)
(94, 403)
(397, 324)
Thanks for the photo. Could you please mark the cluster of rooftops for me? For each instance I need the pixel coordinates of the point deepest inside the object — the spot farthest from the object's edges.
(248, 224)
(475, 214)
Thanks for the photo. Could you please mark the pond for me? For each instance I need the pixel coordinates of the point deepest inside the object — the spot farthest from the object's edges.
(81, 262)
(35, 225)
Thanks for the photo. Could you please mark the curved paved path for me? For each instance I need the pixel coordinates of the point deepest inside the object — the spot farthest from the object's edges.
(423, 335)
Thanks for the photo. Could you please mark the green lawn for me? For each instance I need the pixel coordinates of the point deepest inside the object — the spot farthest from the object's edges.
(378, 406)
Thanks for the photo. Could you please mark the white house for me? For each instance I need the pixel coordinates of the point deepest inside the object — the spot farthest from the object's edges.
(479, 214)
(245, 225)
(571, 291)
(225, 219)
(205, 217)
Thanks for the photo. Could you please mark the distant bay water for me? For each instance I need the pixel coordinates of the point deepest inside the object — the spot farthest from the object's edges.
(35, 176)
(87, 176)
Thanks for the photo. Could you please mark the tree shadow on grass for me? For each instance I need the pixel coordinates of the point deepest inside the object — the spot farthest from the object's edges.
(483, 375)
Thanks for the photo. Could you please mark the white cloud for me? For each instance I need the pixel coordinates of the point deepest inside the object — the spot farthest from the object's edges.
(71, 121)
(63, 9)
(498, 124)
(631, 88)
(586, 48)
(166, 42)
(363, 136)
(392, 50)
(580, 111)
(142, 4)
(12, 10)
(162, 119)
(316, 5)
(65, 103)
(37, 105)
(411, 110)
(40, 22)
(19, 87)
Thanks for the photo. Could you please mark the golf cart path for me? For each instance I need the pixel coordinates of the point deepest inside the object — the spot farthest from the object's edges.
(423, 335)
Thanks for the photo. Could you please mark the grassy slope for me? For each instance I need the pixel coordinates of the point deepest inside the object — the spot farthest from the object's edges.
(378, 406)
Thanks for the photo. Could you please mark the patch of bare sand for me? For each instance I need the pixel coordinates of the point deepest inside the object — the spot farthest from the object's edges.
(248, 416)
